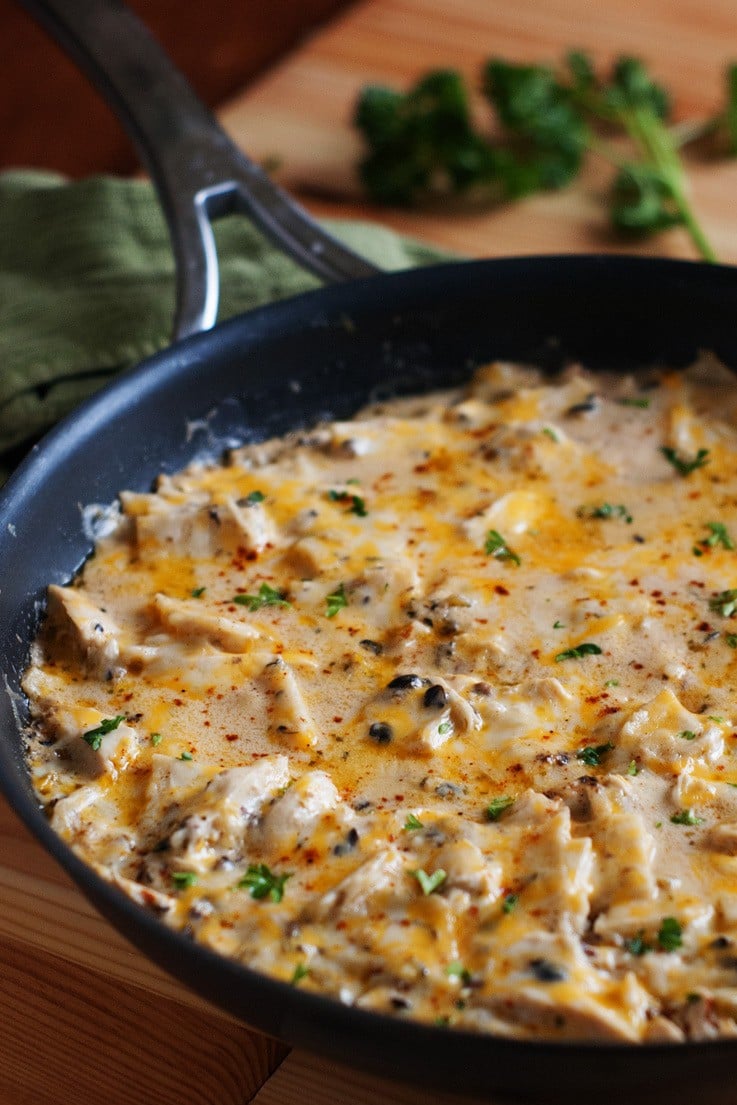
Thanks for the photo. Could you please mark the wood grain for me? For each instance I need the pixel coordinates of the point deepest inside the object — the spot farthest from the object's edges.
(73, 1034)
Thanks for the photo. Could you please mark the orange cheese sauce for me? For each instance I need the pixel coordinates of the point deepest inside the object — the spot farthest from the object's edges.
(433, 711)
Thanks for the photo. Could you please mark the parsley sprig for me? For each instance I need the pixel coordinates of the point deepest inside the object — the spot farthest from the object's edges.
(496, 546)
(424, 147)
(588, 648)
(685, 465)
(262, 882)
(358, 505)
(336, 601)
(93, 737)
(267, 596)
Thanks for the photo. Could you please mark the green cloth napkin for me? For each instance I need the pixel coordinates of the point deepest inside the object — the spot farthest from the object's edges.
(87, 287)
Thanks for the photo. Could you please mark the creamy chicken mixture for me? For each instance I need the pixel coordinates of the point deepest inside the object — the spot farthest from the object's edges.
(433, 711)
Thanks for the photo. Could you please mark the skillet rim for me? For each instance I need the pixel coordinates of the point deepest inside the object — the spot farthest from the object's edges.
(300, 1016)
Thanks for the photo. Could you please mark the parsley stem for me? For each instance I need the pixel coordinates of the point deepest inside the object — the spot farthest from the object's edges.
(657, 144)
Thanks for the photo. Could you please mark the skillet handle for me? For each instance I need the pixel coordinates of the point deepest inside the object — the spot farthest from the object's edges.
(199, 174)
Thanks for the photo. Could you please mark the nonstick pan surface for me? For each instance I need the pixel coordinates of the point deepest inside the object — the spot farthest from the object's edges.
(317, 356)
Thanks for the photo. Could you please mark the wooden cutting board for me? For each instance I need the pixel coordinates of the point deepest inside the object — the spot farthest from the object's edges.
(84, 1017)
(299, 115)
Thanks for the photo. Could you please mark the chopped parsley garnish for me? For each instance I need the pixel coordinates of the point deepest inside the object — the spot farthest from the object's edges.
(588, 648)
(509, 903)
(444, 727)
(184, 879)
(264, 883)
(606, 510)
(725, 603)
(186, 756)
(558, 625)
(718, 536)
(497, 547)
(549, 432)
(498, 806)
(634, 401)
(637, 945)
(198, 592)
(669, 936)
(156, 738)
(358, 506)
(93, 737)
(413, 823)
(267, 596)
(254, 497)
(731, 639)
(687, 735)
(683, 465)
(457, 970)
(591, 755)
(632, 768)
(336, 600)
(300, 971)
(429, 883)
(686, 817)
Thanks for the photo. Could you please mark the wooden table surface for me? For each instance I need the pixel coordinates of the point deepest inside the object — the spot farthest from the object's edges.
(83, 1017)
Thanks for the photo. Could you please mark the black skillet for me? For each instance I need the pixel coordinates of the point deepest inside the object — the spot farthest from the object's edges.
(290, 364)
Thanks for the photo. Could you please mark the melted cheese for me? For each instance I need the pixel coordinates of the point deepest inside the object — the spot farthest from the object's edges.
(432, 711)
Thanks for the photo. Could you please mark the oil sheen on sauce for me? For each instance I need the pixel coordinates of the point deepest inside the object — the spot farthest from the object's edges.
(432, 711)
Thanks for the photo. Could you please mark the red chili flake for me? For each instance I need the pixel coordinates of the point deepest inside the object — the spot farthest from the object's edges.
(231, 736)
(337, 720)
(177, 702)
(704, 627)
(501, 590)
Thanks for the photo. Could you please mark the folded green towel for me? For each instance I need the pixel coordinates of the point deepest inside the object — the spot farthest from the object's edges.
(87, 288)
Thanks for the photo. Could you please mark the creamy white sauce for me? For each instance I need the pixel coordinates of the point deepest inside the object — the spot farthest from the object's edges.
(534, 831)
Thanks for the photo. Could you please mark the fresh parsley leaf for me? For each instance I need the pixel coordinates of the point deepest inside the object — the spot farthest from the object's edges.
(731, 639)
(457, 970)
(669, 936)
(412, 823)
(497, 807)
(509, 903)
(422, 145)
(686, 817)
(444, 727)
(429, 883)
(198, 592)
(267, 596)
(93, 737)
(254, 497)
(724, 603)
(637, 945)
(184, 879)
(156, 739)
(588, 648)
(718, 536)
(632, 768)
(606, 510)
(591, 755)
(336, 601)
(497, 547)
(186, 756)
(264, 883)
(685, 465)
(300, 971)
(358, 506)
(687, 734)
